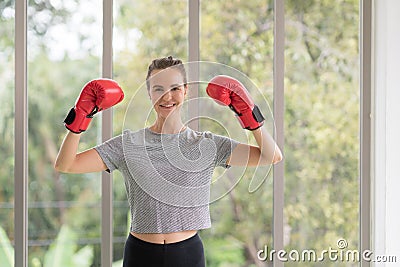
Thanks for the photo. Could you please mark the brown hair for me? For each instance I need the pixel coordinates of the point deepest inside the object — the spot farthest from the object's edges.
(163, 63)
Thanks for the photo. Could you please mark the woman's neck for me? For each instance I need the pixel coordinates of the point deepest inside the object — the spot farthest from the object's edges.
(167, 127)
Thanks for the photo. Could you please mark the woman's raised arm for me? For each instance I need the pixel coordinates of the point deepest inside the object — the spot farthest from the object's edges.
(69, 161)
(96, 95)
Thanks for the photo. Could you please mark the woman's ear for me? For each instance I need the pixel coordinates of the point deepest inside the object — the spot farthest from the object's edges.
(186, 89)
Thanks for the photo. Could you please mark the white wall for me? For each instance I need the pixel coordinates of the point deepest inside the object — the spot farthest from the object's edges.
(386, 123)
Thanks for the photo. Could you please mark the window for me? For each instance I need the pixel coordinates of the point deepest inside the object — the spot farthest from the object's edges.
(239, 34)
(64, 45)
(7, 132)
(321, 121)
(322, 125)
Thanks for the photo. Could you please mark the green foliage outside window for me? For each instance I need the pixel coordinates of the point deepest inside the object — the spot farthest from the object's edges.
(321, 121)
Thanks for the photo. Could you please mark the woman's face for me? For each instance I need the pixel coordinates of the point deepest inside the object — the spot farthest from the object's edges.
(167, 91)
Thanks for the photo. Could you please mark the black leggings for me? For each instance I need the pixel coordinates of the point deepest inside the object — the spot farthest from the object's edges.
(186, 253)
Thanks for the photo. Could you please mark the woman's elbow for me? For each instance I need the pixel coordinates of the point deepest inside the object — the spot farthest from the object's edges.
(59, 167)
(278, 157)
(275, 158)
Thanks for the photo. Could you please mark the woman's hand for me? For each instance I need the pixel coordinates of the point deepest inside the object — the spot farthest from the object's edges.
(228, 91)
(96, 95)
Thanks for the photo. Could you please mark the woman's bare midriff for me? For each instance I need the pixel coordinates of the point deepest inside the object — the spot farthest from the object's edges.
(165, 238)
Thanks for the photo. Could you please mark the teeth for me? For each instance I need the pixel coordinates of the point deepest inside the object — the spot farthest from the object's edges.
(168, 106)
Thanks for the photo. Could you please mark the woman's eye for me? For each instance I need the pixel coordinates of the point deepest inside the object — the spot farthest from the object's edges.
(176, 88)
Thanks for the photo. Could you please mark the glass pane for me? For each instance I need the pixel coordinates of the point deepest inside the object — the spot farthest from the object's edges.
(239, 35)
(7, 91)
(322, 129)
(64, 44)
(143, 30)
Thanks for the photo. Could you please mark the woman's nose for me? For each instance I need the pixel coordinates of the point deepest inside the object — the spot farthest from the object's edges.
(167, 95)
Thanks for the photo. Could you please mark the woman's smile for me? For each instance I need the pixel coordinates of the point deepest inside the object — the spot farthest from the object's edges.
(167, 91)
(168, 106)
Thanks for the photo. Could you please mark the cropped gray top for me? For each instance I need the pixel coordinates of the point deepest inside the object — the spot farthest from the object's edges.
(167, 176)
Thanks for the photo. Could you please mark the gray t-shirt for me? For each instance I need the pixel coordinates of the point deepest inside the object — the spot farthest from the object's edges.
(167, 176)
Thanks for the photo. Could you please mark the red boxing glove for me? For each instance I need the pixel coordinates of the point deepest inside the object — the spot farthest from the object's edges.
(228, 91)
(96, 95)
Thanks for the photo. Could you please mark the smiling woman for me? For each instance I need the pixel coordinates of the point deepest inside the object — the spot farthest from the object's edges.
(168, 167)
(167, 87)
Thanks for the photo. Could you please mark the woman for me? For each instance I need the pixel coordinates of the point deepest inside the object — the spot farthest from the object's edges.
(167, 167)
